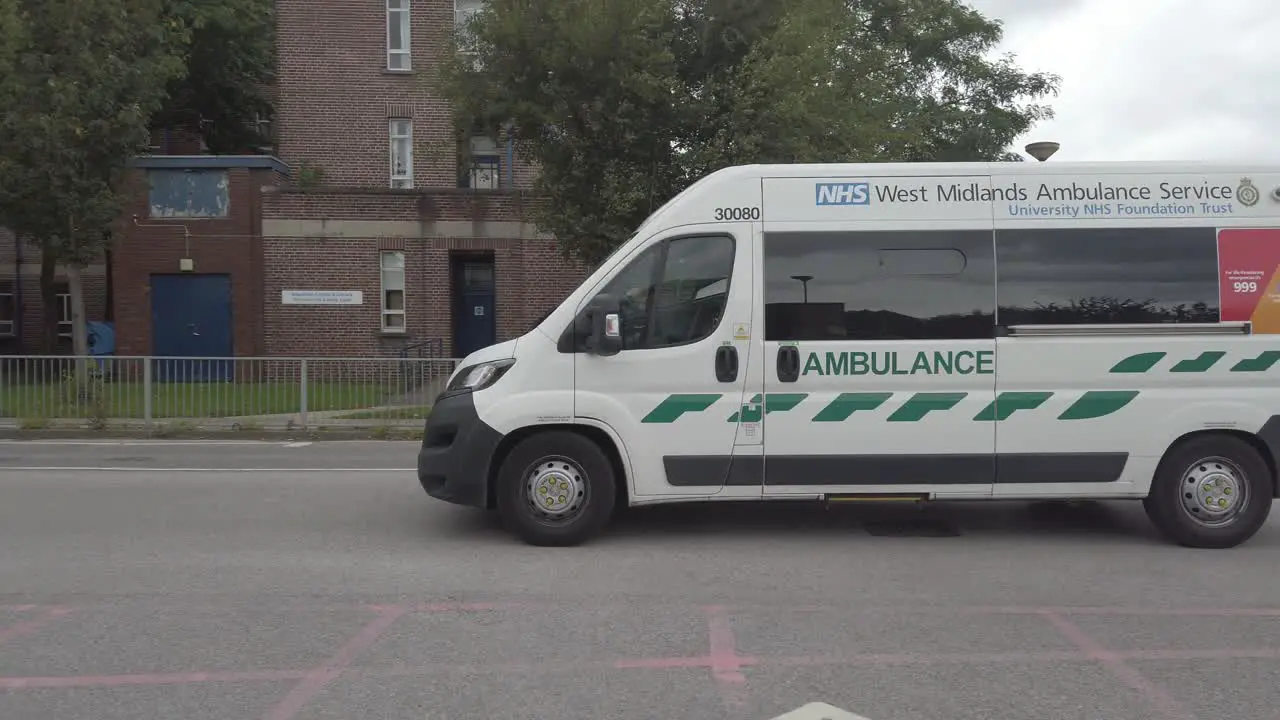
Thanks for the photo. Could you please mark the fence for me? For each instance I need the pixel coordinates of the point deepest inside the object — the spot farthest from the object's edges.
(219, 393)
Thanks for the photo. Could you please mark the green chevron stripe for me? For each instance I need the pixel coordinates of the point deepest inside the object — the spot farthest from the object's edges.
(1008, 403)
(674, 406)
(1098, 403)
(1140, 363)
(1262, 363)
(1199, 364)
(773, 402)
(1091, 405)
(921, 404)
(846, 404)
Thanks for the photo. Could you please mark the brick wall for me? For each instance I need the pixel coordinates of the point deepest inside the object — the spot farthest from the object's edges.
(335, 94)
(229, 245)
(530, 274)
(530, 277)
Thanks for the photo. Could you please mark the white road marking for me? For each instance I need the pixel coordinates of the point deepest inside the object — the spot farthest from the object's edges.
(299, 444)
(819, 711)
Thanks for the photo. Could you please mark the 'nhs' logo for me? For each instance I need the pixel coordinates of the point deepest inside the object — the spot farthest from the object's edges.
(844, 193)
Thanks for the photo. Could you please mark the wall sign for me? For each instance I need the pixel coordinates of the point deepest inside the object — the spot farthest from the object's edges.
(1249, 278)
(321, 297)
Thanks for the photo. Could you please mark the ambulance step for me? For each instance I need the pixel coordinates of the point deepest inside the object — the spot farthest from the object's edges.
(878, 498)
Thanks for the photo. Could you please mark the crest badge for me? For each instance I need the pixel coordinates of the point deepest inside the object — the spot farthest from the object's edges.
(1247, 193)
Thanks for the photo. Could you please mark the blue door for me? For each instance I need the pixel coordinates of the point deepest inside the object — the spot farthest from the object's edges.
(191, 318)
(474, 326)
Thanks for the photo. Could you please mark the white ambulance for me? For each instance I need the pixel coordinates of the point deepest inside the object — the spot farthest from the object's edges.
(914, 331)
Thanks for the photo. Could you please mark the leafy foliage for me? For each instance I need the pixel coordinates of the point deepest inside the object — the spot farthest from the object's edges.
(230, 62)
(623, 103)
(86, 78)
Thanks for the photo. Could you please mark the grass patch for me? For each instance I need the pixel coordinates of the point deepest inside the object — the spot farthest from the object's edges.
(57, 400)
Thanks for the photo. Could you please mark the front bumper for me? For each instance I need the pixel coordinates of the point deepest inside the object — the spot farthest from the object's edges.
(457, 450)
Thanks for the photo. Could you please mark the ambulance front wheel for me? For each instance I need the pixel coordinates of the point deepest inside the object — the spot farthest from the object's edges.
(1212, 491)
(556, 489)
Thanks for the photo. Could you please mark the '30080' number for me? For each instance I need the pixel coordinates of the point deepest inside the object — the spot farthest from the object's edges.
(737, 213)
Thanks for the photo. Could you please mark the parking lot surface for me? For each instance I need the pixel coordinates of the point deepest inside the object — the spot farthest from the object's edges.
(273, 580)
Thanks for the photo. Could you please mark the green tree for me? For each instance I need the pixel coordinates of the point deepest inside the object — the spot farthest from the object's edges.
(230, 64)
(86, 79)
(623, 103)
(10, 35)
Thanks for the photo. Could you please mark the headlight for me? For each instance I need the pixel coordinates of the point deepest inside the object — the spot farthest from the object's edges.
(479, 377)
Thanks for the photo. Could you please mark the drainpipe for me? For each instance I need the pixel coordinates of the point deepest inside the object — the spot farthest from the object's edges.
(511, 157)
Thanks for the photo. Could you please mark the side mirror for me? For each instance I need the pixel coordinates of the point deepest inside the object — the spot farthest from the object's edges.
(605, 335)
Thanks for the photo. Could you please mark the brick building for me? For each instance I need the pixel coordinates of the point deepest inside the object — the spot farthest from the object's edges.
(21, 306)
(380, 210)
(360, 233)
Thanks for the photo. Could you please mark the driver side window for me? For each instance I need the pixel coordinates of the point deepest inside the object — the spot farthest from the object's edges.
(673, 293)
(634, 287)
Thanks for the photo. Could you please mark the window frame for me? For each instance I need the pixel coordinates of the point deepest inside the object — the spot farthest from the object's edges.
(402, 7)
(570, 342)
(937, 240)
(403, 181)
(12, 321)
(64, 307)
(458, 26)
(480, 164)
(384, 311)
(482, 158)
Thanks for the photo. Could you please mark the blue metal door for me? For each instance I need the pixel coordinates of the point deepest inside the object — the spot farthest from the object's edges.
(474, 325)
(191, 318)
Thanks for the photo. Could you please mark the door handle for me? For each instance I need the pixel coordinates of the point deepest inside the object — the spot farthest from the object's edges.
(726, 363)
(788, 363)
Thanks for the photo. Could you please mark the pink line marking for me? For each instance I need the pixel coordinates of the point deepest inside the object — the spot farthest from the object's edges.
(18, 608)
(1161, 700)
(27, 627)
(446, 607)
(726, 664)
(320, 678)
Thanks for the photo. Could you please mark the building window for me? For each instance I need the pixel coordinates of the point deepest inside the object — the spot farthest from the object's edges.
(484, 167)
(401, 154)
(64, 314)
(398, 53)
(463, 12)
(393, 291)
(879, 285)
(189, 193)
(8, 314)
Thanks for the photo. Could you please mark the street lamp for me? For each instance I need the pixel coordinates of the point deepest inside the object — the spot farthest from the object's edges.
(804, 282)
(1042, 150)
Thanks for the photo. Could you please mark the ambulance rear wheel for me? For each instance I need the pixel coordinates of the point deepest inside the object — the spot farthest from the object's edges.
(556, 489)
(1212, 491)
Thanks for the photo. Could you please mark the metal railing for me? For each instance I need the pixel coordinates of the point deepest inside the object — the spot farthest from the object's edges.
(242, 393)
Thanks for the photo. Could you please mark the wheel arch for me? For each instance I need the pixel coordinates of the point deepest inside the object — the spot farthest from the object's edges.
(1266, 441)
(598, 435)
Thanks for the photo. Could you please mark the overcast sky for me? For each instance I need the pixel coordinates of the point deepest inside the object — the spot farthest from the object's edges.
(1153, 79)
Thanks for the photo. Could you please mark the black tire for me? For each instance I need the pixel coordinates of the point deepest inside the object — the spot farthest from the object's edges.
(562, 459)
(1210, 460)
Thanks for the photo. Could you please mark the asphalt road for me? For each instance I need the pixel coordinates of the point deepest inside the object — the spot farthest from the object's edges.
(311, 581)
